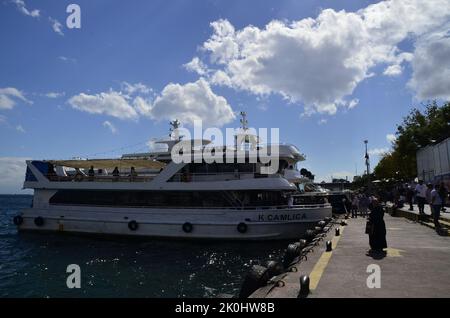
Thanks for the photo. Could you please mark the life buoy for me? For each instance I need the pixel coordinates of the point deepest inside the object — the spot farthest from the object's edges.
(187, 227)
(18, 220)
(133, 225)
(242, 227)
(39, 221)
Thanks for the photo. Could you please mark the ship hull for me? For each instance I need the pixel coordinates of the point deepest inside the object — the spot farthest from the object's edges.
(204, 223)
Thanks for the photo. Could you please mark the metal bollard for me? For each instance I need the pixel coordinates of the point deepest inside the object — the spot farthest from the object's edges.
(329, 246)
(337, 232)
(304, 286)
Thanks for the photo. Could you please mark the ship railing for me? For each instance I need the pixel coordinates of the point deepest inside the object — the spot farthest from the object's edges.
(108, 178)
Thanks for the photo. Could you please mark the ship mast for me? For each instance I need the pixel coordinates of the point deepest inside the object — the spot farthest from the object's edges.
(244, 121)
(174, 133)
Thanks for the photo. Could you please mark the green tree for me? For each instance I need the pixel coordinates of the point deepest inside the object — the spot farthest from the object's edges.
(417, 130)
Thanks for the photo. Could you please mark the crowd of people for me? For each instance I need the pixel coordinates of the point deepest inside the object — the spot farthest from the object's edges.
(435, 196)
(400, 195)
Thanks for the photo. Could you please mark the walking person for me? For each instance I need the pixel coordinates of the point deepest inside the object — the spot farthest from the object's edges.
(421, 194)
(347, 203)
(409, 196)
(376, 228)
(354, 208)
(428, 196)
(436, 204)
(364, 205)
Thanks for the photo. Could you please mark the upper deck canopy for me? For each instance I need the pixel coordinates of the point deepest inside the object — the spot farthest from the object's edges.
(110, 163)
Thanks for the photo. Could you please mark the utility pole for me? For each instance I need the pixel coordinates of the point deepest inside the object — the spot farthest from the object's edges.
(367, 167)
(367, 158)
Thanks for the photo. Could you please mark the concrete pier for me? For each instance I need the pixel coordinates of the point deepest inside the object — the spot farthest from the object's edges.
(426, 219)
(416, 264)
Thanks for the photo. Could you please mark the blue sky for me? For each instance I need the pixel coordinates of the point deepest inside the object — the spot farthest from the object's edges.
(327, 78)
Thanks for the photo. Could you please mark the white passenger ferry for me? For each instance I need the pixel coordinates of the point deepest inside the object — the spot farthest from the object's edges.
(149, 194)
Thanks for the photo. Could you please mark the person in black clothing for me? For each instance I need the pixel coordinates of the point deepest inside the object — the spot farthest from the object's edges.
(377, 233)
(347, 205)
(410, 196)
(133, 174)
(116, 174)
(91, 173)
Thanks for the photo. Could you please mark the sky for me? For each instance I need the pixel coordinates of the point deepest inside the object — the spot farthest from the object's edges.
(328, 74)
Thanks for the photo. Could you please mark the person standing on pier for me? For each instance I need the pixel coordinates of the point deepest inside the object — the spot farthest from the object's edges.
(409, 196)
(354, 209)
(421, 194)
(364, 204)
(91, 173)
(377, 232)
(436, 204)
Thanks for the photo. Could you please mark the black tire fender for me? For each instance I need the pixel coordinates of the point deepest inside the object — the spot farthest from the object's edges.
(133, 225)
(242, 227)
(39, 221)
(187, 227)
(18, 220)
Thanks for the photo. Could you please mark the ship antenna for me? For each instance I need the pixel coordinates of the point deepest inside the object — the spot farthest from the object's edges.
(174, 133)
(244, 121)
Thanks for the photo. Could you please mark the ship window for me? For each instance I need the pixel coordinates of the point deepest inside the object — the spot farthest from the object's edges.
(169, 199)
(163, 199)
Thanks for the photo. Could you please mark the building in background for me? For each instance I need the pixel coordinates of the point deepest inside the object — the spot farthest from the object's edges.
(336, 185)
(433, 162)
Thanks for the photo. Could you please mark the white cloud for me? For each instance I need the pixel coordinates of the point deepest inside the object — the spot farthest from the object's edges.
(110, 126)
(54, 94)
(353, 103)
(186, 102)
(132, 89)
(431, 66)
(22, 8)
(110, 103)
(190, 102)
(12, 174)
(319, 62)
(142, 105)
(391, 138)
(19, 128)
(56, 26)
(3, 119)
(393, 70)
(378, 151)
(9, 96)
(196, 66)
(67, 59)
(322, 121)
